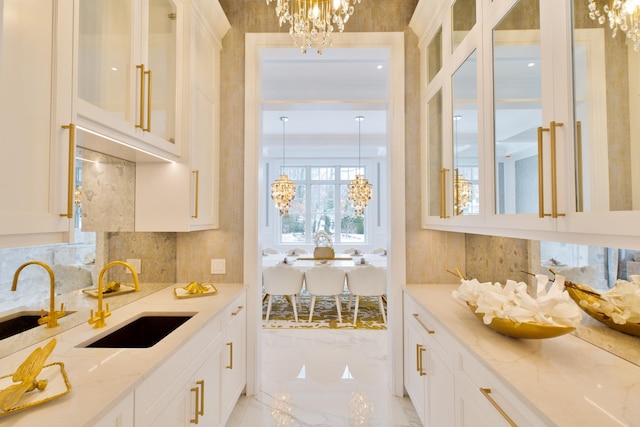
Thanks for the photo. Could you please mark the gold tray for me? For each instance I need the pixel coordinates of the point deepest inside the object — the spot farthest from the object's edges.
(184, 293)
(526, 330)
(124, 289)
(57, 386)
(579, 293)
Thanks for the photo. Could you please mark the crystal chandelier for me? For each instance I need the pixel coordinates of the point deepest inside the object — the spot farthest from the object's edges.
(311, 22)
(283, 190)
(462, 192)
(359, 189)
(623, 15)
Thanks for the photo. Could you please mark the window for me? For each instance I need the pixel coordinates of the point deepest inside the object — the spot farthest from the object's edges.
(321, 204)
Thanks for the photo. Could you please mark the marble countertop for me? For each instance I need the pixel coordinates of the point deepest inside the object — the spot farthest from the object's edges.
(100, 377)
(571, 382)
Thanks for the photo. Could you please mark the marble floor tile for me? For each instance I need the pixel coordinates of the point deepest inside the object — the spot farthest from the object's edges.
(322, 378)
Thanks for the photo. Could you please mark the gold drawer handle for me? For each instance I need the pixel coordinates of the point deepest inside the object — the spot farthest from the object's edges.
(197, 412)
(235, 313)
(486, 392)
(426, 328)
(419, 350)
(230, 365)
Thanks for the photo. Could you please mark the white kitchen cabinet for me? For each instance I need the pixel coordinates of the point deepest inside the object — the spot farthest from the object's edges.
(128, 79)
(36, 86)
(517, 105)
(120, 415)
(234, 356)
(448, 385)
(185, 196)
(428, 372)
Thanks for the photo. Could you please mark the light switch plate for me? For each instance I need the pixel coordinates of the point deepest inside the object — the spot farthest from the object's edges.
(136, 264)
(218, 266)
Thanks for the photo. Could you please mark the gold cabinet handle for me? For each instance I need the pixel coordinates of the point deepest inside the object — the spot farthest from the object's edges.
(541, 213)
(579, 178)
(197, 411)
(235, 313)
(486, 392)
(149, 86)
(425, 327)
(230, 365)
(201, 384)
(554, 172)
(418, 357)
(71, 169)
(443, 192)
(197, 179)
(141, 115)
(421, 350)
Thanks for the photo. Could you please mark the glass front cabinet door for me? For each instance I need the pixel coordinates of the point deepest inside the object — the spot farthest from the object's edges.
(127, 70)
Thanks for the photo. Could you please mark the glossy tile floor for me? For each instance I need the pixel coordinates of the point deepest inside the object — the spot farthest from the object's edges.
(322, 378)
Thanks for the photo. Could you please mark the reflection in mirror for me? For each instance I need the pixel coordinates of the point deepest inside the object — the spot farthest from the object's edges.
(465, 138)
(434, 55)
(463, 18)
(517, 108)
(434, 154)
(606, 108)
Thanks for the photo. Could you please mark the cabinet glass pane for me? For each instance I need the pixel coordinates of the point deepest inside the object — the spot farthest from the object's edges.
(463, 18)
(434, 55)
(606, 74)
(162, 43)
(465, 138)
(104, 55)
(517, 108)
(434, 153)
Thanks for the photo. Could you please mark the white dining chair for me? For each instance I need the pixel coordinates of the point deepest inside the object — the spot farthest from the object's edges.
(324, 281)
(367, 281)
(283, 280)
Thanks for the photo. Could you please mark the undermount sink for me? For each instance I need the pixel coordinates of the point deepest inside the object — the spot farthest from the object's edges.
(19, 322)
(143, 332)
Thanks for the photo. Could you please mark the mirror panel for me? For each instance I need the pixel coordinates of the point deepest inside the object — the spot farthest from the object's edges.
(434, 154)
(465, 138)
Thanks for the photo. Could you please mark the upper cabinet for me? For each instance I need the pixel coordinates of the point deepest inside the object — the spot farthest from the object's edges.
(36, 155)
(526, 132)
(128, 72)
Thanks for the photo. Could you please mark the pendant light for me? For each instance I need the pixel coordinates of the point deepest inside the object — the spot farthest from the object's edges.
(360, 191)
(283, 190)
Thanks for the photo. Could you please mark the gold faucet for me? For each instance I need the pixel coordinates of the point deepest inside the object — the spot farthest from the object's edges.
(51, 318)
(98, 320)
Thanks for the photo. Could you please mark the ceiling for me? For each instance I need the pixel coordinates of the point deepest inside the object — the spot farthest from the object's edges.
(321, 95)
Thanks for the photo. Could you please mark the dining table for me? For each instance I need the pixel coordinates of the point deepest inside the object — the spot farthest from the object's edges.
(306, 261)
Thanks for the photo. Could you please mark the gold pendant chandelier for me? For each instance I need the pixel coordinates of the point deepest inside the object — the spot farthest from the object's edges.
(311, 22)
(623, 15)
(360, 190)
(283, 190)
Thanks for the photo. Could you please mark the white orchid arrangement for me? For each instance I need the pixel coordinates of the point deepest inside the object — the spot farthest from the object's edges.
(322, 238)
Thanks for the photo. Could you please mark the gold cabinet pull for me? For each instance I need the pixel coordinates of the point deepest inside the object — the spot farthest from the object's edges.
(197, 179)
(425, 327)
(141, 115)
(235, 313)
(418, 357)
(579, 178)
(486, 392)
(149, 86)
(541, 213)
(554, 172)
(421, 350)
(71, 169)
(201, 384)
(443, 192)
(197, 411)
(230, 365)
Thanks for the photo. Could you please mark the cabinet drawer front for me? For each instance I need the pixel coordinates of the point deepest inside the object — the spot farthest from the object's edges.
(435, 335)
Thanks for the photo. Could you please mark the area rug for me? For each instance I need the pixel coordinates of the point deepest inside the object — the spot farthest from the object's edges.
(325, 315)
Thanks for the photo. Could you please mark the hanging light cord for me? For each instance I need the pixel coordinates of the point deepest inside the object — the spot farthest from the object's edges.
(284, 120)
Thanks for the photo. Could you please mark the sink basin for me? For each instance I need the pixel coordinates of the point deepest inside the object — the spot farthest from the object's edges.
(143, 332)
(19, 322)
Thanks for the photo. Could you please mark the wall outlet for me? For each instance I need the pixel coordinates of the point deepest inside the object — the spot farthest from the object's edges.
(136, 264)
(218, 266)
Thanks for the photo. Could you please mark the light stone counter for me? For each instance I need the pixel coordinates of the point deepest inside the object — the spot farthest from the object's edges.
(570, 381)
(100, 377)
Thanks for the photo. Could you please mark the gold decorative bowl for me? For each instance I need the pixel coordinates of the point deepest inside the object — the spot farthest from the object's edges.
(579, 293)
(526, 330)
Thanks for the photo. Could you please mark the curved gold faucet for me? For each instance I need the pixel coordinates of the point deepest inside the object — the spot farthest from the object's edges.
(98, 320)
(51, 318)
